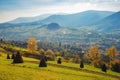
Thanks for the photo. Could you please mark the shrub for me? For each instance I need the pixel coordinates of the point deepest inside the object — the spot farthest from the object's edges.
(76, 58)
(115, 66)
(50, 55)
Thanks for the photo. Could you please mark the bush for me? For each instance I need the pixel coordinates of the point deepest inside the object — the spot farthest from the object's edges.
(115, 67)
(50, 55)
(76, 58)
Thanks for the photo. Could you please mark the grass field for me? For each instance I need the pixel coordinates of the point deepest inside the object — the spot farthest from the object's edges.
(31, 71)
(88, 67)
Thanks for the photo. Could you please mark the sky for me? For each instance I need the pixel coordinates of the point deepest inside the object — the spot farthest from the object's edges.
(12, 9)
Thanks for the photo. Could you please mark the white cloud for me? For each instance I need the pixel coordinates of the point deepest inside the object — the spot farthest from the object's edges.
(64, 6)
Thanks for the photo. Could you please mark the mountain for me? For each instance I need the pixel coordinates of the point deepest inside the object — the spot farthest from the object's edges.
(66, 20)
(28, 19)
(73, 25)
(53, 26)
(78, 19)
(52, 31)
(110, 23)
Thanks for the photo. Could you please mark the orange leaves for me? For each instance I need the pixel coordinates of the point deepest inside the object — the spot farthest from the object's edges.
(32, 44)
(95, 55)
(112, 52)
(94, 52)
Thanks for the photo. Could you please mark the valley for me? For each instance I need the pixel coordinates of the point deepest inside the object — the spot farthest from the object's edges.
(59, 39)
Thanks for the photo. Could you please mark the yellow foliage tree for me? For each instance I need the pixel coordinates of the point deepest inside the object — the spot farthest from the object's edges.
(32, 44)
(94, 52)
(95, 55)
(112, 52)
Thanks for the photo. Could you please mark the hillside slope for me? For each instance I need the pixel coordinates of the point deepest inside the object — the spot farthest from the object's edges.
(78, 19)
(110, 23)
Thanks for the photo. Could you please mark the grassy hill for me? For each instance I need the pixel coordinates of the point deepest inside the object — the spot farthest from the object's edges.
(31, 71)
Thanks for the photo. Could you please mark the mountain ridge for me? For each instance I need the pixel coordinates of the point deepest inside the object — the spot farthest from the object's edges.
(77, 19)
(109, 23)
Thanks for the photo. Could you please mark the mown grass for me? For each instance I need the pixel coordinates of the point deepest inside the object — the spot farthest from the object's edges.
(86, 66)
(30, 71)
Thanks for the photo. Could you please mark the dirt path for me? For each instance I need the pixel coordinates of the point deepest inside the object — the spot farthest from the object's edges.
(78, 69)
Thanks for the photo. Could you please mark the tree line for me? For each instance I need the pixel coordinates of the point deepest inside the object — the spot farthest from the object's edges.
(108, 59)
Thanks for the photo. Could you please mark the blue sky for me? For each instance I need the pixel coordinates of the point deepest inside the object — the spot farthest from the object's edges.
(11, 9)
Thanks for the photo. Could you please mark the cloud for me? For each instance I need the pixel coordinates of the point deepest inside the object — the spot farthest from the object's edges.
(11, 9)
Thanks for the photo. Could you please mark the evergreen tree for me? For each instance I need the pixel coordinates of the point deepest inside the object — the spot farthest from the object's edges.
(18, 58)
(81, 64)
(104, 68)
(8, 56)
(59, 61)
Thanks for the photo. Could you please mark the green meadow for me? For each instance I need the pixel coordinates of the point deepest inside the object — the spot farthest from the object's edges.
(31, 71)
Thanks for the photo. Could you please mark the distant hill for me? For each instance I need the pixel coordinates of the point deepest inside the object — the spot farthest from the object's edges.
(53, 26)
(85, 18)
(29, 19)
(110, 23)
(78, 19)
(63, 25)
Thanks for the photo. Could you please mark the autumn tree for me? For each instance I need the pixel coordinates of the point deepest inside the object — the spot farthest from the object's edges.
(50, 54)
(112, 52)
(86, 58)
(94, 52)
(114, 62)
(76, 58)
(95, 55)
(32, 45)
(42, 52)
(115, 65)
